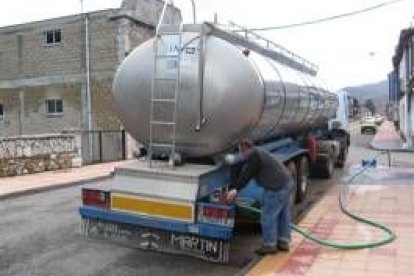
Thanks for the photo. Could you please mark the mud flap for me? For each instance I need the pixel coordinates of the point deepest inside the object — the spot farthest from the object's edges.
(210, 249)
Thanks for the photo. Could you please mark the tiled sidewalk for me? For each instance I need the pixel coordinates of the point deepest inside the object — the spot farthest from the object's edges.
(16, 185)
(384, 195)
(387, 138)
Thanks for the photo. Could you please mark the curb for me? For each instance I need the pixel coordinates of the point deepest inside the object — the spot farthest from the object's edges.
(391, 150)
(53, 187)
(252, 264)
(256, 260)
(402, 139)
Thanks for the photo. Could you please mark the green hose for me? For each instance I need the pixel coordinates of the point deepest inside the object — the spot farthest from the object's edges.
(391, 236)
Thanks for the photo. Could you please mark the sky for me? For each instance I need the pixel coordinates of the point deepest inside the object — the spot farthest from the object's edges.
(349, 51)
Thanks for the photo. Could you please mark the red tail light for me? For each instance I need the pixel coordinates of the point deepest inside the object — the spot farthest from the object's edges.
(96, 198)
(216, 214)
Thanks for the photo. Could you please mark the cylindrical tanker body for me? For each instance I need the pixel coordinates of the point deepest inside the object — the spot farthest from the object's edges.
(244, 94)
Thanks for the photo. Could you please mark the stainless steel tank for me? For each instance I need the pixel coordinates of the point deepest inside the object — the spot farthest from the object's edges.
(244, 95)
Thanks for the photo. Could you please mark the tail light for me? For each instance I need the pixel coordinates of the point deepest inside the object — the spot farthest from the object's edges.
(216, 214)
(97, 198)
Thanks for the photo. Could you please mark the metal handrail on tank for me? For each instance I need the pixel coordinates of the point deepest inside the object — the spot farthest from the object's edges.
(277, 47)
(162, 15)
(194, 11)
(289, 58)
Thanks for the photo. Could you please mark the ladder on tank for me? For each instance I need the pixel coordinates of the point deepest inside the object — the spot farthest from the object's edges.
(165, 85)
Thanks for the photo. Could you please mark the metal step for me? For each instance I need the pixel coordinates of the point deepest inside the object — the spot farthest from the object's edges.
(167, 56)
(161, 145)
(165, 79)
(168, 33)
(162, 123)
(165, 100)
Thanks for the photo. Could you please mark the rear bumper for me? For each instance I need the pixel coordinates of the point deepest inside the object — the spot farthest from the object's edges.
(199, 229)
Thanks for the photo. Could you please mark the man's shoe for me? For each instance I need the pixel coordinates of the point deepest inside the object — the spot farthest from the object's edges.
(266, 249)
(283, 246)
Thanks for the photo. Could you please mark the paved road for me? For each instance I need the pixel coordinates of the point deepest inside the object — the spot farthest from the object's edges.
(40, 236)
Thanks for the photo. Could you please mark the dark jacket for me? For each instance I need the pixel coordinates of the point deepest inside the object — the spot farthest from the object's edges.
(269, 172)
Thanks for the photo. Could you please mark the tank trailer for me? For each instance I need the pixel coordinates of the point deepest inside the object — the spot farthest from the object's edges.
(188, 95)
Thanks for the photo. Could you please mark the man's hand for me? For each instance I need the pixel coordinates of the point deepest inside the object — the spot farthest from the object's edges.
(231, 195)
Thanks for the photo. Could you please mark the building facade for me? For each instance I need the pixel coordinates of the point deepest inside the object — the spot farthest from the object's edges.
(56, 75)
(402, 86)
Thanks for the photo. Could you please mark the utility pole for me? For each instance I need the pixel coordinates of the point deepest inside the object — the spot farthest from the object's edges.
(88, 85)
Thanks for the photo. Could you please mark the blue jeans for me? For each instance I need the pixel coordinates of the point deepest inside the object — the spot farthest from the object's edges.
(276, 217)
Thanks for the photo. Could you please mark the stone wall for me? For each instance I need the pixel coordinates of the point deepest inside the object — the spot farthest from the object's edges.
(31, 154)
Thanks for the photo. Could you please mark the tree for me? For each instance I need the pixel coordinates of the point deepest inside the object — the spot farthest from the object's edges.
(369, 104)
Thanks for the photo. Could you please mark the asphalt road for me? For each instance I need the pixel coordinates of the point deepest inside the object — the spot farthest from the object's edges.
(40, 236)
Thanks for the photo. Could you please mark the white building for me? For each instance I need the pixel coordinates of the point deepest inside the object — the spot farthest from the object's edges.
(402, 90)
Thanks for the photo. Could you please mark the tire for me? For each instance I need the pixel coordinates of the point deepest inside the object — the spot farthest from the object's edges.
(342, 158)
(292, 168)
(292, 207)
(302, 179)
(327, 167)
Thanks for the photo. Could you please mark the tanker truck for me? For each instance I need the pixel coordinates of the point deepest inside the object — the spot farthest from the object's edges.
(188, 95)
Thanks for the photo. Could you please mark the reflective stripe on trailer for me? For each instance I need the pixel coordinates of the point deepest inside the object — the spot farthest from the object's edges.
(152, 207)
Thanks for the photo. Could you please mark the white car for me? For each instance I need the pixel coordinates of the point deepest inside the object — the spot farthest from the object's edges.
(368, 125)
(379, 119)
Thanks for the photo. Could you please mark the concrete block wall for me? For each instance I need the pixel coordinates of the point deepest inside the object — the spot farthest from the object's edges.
(138, 35)
(32, 71)
(30, 56)
(36, 119)
(8, 56)
(9, 124)
(25, 54)
(105, 118)
(35, 59)
(40, 59)
(148, 11)
(102, 31)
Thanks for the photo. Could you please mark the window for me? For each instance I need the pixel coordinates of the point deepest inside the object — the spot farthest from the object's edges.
(54, 106)
(1, 111)
(53, 36)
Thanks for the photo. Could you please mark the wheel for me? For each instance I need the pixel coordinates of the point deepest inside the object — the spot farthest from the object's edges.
(340, 163)
(302, 179)
(292, 168)
(327, 167)
(292, 207)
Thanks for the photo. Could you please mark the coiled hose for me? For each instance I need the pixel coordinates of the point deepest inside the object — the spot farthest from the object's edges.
(390, 235)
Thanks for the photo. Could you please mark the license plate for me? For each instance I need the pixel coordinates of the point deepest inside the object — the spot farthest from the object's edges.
(210, 249)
